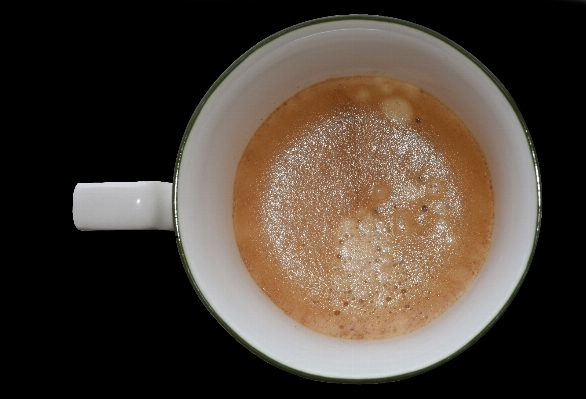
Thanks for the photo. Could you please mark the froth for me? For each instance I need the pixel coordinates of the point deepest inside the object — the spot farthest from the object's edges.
(350, 214)
(397, 109)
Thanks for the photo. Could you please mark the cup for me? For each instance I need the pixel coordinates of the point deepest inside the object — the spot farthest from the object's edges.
(197, 205)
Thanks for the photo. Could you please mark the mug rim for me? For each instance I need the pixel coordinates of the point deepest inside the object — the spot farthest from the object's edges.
(229, 70)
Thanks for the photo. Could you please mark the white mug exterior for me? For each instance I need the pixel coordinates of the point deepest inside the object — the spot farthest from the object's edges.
(235, 106)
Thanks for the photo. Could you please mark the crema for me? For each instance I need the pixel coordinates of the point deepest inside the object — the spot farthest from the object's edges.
(363, 207)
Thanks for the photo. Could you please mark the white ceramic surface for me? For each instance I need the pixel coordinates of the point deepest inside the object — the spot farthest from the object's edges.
(250, 90)
(143, 205)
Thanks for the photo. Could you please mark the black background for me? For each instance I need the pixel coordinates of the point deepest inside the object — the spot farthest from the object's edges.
(135, 74)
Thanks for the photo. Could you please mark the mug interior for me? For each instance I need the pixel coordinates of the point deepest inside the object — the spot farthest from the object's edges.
(250, 90)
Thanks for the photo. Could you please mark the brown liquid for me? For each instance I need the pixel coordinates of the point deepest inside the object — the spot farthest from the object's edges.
(363, 207)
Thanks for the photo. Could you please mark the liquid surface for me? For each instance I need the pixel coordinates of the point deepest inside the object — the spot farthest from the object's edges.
(363, 207)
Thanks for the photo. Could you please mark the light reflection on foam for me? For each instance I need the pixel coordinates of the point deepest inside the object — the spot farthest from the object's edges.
(317, 207)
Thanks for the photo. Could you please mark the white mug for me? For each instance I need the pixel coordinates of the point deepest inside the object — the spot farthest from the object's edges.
(197, 205)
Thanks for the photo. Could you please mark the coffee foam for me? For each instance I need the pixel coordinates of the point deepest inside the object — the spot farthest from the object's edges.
(356, 209)
(397, 109)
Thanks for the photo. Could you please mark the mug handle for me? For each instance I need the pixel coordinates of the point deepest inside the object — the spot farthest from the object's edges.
(142, 205)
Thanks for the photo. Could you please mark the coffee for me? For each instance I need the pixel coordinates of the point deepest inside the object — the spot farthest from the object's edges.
(363, 207)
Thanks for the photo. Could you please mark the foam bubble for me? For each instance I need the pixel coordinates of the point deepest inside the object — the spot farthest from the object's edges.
(397, 109)
(362, 95)
(364, 246)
